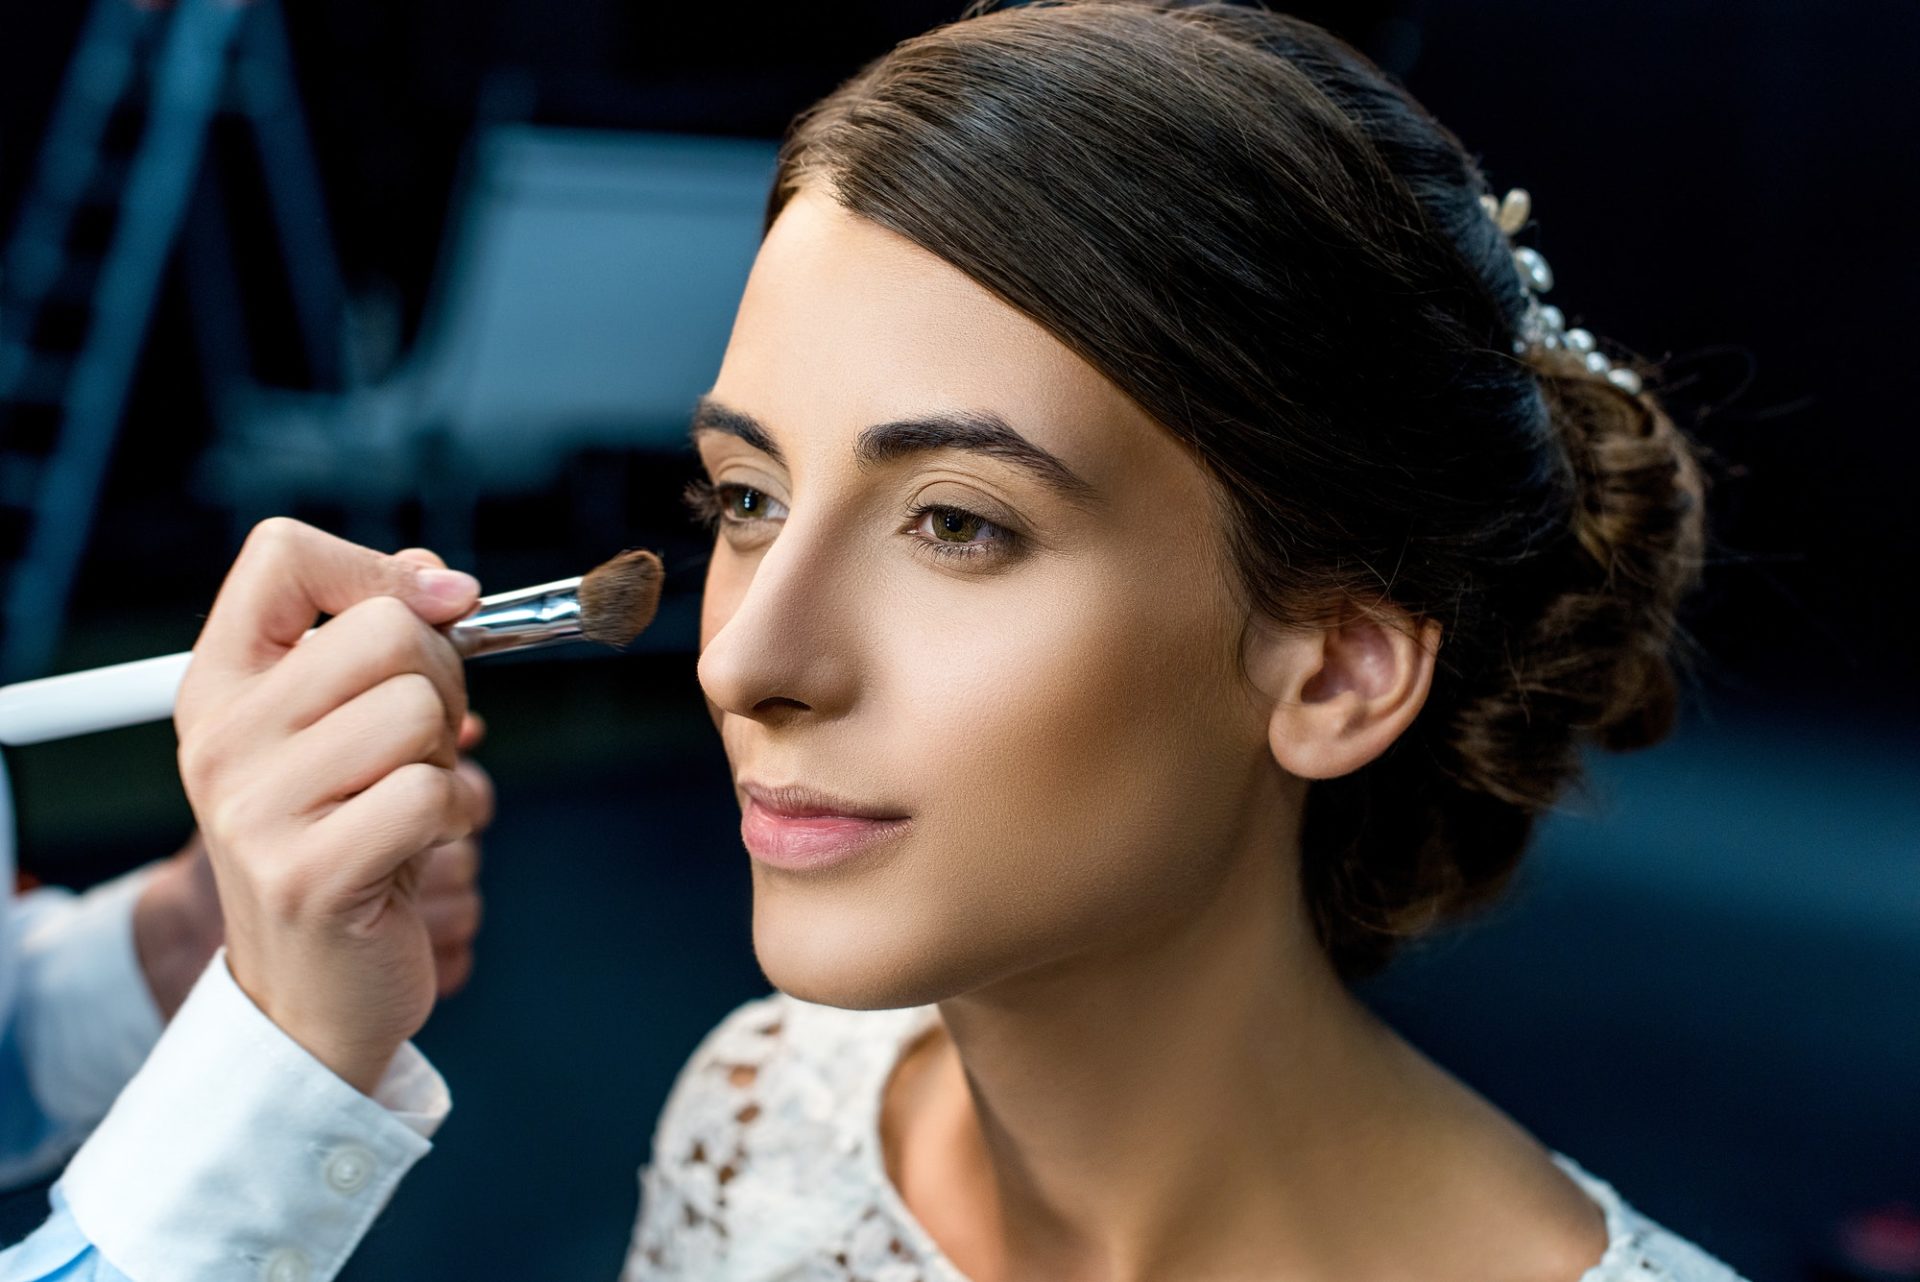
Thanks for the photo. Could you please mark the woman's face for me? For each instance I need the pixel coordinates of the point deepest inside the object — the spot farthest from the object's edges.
(1038, 675)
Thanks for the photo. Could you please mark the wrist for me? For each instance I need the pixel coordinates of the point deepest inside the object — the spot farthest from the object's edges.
(360, 1062)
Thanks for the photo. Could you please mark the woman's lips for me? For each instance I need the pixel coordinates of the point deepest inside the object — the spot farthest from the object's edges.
(804, 843)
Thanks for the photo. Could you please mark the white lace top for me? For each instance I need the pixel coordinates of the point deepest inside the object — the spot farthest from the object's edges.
(767, 1165)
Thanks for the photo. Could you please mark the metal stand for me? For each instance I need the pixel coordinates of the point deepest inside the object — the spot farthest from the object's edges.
(96, 227)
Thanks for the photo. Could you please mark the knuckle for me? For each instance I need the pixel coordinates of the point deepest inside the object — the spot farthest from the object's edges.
(418, 699)
(419, 783)
(416, 716)
(205, 751)
(272, 541)
(272, 534)
(193, 759)
(455, 865)
(428, 793)
(395, 628)
(230, 818)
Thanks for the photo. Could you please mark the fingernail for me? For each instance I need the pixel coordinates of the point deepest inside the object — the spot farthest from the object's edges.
(448, 585)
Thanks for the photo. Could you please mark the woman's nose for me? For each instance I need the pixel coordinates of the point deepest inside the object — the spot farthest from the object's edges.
(784, 635)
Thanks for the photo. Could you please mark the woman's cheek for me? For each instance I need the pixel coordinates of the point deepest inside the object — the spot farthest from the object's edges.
(1062, 739)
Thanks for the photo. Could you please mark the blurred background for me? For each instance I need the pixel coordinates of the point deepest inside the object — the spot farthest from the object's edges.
(452, 273)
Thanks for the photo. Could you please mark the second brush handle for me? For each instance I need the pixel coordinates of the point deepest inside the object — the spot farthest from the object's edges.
(130, 694)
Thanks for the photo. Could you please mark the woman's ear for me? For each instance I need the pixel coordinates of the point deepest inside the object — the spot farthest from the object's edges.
(1336, 696)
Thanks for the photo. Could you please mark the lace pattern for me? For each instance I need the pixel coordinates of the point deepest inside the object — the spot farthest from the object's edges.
(763, 1163)
(766, 1165)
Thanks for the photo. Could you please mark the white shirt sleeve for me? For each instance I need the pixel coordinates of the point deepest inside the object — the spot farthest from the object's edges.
(76, 1016)
(234, 1155)
(85, 1015)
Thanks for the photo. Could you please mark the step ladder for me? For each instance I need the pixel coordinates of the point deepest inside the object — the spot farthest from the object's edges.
(96, 226)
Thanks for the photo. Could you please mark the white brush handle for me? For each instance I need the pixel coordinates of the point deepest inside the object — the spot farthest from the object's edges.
(124, 694)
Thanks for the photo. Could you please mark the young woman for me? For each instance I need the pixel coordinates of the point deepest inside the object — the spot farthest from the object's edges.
(1156, 575)
(1167, 558)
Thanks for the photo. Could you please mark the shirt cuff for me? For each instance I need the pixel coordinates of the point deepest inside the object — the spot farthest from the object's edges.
(87, 1017)
(235, 1155)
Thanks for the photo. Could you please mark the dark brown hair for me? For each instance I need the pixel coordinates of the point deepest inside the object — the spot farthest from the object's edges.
(1282, 257)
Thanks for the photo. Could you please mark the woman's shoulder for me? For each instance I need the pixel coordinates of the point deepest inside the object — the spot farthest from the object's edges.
(1639, 1249)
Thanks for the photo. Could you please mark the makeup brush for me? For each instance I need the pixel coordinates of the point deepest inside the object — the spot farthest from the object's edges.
(612, 603)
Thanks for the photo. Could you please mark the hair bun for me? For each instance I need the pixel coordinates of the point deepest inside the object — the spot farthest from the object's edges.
(1638, 521)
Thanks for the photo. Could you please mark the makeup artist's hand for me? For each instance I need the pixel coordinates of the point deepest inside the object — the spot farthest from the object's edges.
(323, 772)
(177, 923)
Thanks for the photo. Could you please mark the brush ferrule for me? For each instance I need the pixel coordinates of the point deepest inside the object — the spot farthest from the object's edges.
(520, 620)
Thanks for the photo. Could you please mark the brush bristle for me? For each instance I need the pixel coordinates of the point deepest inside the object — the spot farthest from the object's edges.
(618, 597)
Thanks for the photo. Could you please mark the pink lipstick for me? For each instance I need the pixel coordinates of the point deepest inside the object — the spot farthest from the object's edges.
(803, 830)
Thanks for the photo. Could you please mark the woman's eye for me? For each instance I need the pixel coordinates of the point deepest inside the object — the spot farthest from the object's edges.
(949, 532)
(956, 532)
(728, 503)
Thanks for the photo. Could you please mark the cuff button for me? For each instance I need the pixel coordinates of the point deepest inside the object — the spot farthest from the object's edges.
(349, 1167)
(288, 1264)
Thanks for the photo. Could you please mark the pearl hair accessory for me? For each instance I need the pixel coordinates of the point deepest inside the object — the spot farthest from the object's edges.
(1544, 324)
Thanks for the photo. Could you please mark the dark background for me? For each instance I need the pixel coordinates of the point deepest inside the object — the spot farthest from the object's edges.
(1704, 988)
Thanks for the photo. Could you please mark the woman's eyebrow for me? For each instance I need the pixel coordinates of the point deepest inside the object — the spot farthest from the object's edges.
(978, 430)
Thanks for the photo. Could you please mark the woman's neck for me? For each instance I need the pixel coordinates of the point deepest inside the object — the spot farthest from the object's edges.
(1109, 1108)
(1208, 1102)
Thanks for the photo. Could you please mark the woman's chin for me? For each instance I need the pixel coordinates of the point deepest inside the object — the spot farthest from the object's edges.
(833, 952)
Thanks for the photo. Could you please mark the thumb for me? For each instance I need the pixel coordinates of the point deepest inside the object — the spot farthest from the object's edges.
(289, 572)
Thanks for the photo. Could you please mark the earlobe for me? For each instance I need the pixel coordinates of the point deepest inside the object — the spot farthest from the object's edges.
(1337, 696)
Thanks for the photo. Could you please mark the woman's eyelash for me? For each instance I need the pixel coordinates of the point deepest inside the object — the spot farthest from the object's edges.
(712, 505)
(707, 502)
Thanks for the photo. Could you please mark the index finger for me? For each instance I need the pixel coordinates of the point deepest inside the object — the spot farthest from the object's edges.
(288, 573)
